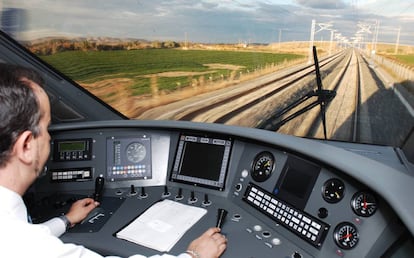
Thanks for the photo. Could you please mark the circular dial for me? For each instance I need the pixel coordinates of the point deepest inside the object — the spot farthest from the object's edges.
(333, 190)
(263, 165)
(364, 204)
(136, 152)
(346, 235)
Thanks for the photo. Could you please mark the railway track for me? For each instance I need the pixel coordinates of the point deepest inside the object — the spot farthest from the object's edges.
(232, 104)
(256, 103)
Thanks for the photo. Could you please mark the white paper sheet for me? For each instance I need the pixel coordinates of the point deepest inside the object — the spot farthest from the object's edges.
(162, 225)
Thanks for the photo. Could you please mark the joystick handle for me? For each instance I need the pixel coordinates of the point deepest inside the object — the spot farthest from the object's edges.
(221, 215)
(99, 184)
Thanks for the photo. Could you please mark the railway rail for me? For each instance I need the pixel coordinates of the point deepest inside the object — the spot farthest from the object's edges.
(257, 103)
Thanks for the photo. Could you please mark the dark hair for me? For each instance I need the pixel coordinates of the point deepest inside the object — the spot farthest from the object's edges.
(19, 106)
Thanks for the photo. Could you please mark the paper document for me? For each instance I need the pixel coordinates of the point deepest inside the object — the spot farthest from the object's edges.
(162, 225)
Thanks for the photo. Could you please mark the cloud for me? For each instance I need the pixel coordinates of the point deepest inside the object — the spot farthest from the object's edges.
(212, 21)
(322, 4)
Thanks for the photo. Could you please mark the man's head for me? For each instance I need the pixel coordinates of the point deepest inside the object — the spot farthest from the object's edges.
(24, 116)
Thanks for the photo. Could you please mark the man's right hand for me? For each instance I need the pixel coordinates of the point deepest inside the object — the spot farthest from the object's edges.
(211, 244)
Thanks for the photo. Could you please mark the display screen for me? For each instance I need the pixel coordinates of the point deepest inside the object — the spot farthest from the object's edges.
(72, 146)
(296, 182)
(129, 158)
(72, 149)
(202, 160)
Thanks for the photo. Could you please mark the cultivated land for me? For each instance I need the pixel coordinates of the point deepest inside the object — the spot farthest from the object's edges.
(147, 75)
(133, 81)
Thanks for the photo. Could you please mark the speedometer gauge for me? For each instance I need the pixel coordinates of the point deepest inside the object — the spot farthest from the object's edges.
(136, 152)
(262, 166)
(364, 204)
(346, 235)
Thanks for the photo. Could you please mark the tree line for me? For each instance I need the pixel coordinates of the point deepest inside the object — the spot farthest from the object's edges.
(53, 46)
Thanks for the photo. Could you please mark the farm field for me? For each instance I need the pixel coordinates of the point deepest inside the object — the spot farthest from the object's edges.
(405, 59)
(137, 65)
(145, 74)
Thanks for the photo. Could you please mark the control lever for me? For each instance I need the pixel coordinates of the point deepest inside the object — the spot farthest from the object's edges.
(99, 185)
(143, 193)
(97, 196)
(221, 216)
(166, 193)
(192, 198)
(132, 190)
(206, 201)
(179, 195)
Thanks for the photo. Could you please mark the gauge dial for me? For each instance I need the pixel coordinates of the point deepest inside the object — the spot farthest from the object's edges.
(333, 190)
(364, 204)
(346, 235)
(136, 152)
(263, 166)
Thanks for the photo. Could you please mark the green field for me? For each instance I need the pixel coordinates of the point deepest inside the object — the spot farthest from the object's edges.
(405, 59)
(93, 66)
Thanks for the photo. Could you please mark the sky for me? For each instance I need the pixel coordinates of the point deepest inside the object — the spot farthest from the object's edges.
(219, 21)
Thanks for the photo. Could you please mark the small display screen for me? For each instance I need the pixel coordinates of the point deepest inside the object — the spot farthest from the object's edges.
(72, 149)
(296, 182)
(202, 160)
(129, 158)
(72, 146)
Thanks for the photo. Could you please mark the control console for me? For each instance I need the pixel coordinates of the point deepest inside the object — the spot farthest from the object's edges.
(274, 203)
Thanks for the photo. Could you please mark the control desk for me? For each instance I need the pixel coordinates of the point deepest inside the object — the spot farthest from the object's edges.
(284, 196)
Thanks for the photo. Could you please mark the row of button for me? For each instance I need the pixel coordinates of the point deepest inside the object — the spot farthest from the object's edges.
(73, 155)
(69, 175)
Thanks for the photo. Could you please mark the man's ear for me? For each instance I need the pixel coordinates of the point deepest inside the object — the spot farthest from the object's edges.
(24, 147)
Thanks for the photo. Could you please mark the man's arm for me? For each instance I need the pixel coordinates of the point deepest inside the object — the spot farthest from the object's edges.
(77, 212)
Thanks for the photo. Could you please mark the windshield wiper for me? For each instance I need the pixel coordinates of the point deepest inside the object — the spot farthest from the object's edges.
(323, 97)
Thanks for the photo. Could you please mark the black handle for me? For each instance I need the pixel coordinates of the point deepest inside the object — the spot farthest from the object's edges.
(221, 215)
(99, 184)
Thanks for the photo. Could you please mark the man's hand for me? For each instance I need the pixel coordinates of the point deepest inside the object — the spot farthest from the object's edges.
(80, 209)
(211, 244)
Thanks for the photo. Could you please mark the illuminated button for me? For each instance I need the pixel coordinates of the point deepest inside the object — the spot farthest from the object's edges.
(313, 231)
(257, 228)
(316, 225)
(276, 241)
(306, 219)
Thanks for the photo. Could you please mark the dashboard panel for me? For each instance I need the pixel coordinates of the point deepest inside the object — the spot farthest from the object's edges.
(285, 196)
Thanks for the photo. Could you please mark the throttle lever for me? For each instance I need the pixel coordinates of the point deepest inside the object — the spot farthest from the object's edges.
(221, 215)
(99, 185)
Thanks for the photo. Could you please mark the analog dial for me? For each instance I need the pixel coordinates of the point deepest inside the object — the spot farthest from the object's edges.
(333, 190)
(364, 203)
(136, 152)
(263, 166)
(346, 235)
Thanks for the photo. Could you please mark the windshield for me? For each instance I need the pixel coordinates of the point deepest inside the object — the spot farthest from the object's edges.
(337, 70)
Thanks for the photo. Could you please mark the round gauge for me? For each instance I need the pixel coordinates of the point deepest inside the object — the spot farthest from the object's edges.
(346, 235)
(136, 152)
(263, 166)
(333, 190)
(364, 204)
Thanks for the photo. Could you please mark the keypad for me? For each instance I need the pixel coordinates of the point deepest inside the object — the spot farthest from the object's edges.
(299, 222)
